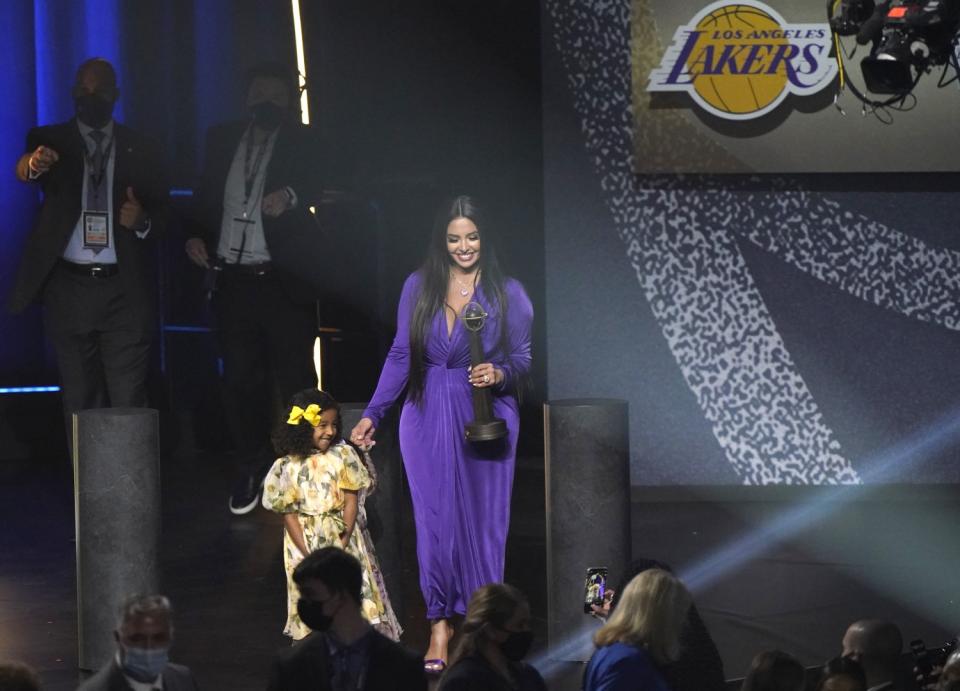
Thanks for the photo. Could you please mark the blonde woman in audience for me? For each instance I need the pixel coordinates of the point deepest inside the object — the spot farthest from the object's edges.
(641, 635)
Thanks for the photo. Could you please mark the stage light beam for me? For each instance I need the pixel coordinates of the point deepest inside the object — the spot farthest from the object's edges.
(301, 62)
(930, 440)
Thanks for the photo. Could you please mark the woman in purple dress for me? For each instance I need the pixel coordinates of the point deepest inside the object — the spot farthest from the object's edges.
(461, 490)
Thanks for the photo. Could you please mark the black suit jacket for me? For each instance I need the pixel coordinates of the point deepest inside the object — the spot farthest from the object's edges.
(391, 667)
(110, 678)
(297, 162)
(474, 673)
(136, 165)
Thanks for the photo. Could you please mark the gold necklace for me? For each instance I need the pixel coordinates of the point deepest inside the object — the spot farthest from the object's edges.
(464, 290)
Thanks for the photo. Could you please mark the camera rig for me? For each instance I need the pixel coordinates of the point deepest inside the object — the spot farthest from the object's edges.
(907, 38)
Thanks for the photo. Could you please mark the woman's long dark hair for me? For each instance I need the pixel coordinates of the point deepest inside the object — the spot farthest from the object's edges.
(434, 276)
(491, 604)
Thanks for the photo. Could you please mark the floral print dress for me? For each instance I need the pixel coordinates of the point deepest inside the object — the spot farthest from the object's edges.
(313, 488)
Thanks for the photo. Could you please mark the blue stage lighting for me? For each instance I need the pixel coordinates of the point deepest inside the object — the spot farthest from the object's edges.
(174, 328)
(29, 389)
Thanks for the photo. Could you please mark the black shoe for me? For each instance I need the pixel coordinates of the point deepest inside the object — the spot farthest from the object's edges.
(246, 495)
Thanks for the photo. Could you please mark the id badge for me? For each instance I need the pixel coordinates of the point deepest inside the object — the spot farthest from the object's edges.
(96, 230)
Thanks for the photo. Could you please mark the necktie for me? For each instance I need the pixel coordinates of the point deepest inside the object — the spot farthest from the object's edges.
(97, 178)
(97, 183)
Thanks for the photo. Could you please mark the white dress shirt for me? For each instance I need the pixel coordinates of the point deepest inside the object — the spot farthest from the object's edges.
(75, 251)
(255, 249)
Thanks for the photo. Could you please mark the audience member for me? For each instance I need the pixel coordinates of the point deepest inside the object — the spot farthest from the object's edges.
(344, 651)
(699, 667)
(950, 674)
(15, 676)
(144, 633)
(774, 670)
(495, 638)
(842, 674)
(876, 645)
(641, 635)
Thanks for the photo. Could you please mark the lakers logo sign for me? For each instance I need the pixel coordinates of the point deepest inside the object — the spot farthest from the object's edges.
(740, 61)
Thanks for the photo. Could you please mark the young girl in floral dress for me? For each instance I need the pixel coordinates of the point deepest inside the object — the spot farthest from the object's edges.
(319, 486)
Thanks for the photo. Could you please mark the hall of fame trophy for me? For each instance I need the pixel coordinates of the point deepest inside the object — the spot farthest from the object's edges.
(484, 426)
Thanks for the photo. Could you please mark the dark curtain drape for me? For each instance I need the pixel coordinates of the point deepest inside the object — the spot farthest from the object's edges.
(180, 66)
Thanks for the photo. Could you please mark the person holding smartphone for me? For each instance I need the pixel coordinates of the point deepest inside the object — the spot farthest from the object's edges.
(699, 666)
(641, 635)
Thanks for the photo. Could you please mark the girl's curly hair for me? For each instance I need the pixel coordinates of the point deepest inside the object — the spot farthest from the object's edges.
(297, 440)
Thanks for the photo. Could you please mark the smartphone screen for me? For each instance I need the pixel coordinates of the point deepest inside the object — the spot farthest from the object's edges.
(594, 587)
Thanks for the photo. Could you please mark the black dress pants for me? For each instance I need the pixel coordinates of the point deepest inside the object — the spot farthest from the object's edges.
(266, 342)
(101, 341)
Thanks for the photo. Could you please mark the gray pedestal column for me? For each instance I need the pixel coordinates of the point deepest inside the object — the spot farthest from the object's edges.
(588, 511)
(117, 500)
(386, 506)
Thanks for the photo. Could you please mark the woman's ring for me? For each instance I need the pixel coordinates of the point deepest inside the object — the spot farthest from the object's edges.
(486, 379)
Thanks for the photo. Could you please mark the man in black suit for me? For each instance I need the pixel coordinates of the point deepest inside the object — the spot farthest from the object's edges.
(344, 651)
(88, 257)
(144, 634)
(260, 178)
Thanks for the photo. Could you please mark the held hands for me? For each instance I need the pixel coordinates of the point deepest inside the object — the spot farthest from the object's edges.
(197, 251)
(362, 434)
(132, 213)
(42, 159)
(276, 203)
(484, 375)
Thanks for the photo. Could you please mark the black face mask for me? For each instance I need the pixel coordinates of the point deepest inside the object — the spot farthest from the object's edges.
(311, 614)
(267, 115)
(517, 645)
(92, 110)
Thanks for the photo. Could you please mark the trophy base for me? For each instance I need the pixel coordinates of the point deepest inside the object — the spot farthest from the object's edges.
(486, 431)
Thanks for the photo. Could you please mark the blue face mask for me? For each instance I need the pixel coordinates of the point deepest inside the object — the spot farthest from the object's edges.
(145, 664)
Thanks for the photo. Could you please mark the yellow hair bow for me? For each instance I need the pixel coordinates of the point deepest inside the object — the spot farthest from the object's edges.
(311, 415)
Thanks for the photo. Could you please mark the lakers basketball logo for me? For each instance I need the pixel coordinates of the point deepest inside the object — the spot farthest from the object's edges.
(740, 61)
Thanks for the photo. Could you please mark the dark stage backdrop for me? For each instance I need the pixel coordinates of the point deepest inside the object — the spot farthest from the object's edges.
(415, 100)
(180, 66)
(427, 98)
(765, 330)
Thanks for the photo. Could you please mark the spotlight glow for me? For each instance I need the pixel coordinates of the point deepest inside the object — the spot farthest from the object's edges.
(934, 438)
(903, 455)
(301, 62)
(318, 361)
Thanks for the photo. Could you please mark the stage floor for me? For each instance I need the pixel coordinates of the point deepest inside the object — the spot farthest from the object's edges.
(223, 573)
(771, 567)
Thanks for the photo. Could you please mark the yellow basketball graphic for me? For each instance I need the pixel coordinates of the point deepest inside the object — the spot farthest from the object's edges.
(743, 25)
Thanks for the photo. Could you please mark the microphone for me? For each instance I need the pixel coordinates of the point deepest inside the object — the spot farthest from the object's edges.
(871, 29)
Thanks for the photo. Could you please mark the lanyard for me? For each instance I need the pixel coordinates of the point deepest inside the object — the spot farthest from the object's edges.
(251, 170)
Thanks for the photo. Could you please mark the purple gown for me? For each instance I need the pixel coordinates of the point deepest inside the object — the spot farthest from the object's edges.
(461, 492)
